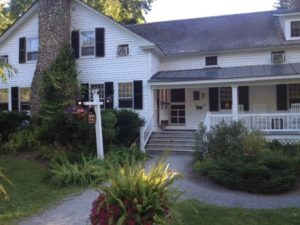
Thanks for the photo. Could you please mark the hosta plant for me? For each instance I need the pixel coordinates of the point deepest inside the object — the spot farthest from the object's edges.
(136, 196)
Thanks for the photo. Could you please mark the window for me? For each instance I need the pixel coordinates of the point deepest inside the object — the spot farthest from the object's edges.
(32, 49)
(278, 57)
(24, 99)
(295, 29)
(87, 43)
(123, 50)
(3, 99)
(226, 97)
(3, 59)
(99, 88)
(294, 93)
(211, 60)
(125, 95)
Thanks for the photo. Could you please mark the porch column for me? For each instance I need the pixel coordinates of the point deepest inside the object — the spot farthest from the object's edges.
(9, 100)
(235, 104)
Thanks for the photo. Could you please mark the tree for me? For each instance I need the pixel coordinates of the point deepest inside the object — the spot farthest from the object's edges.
(5, 21)
(288, 4)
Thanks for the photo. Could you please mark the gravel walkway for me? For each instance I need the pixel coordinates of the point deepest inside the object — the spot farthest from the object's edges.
(75, 210)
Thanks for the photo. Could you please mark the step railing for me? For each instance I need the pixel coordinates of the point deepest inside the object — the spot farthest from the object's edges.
(146, 132)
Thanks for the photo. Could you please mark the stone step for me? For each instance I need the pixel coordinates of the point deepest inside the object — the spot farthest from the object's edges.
(169, 148)
(169, 144)
(173, 152)
(175, 139)
(173, 135)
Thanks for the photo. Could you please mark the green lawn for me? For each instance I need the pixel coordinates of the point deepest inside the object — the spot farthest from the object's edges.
(195, 213)
(29, 194)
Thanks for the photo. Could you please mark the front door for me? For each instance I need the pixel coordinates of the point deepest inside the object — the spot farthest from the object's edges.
(177, 110)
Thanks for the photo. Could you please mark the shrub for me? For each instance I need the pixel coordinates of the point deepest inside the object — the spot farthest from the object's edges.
(136, 196)
(122, 155)
(21, 141)
(253, 143)
(226, 139)
(129, 124)
(51, 152)
(63, 172)
(200, 146)
(109, 122)
(11, 122)
(202, 167)
(266, 173)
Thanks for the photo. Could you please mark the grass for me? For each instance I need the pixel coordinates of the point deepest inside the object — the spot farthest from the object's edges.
(28, 194)
(192, 212)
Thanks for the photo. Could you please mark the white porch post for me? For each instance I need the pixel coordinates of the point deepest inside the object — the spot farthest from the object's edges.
(9, 100)
(235, 104)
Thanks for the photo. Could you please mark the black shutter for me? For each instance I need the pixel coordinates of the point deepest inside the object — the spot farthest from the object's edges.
(22, 50)
(243, 93)
(15, 98)
(84, 92)
(75, 43)
(100, 42)
(213, 99)
(281, 92)
(109, 95)
(138, 94)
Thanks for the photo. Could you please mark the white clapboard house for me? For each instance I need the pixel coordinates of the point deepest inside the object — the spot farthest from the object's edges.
(176, 74)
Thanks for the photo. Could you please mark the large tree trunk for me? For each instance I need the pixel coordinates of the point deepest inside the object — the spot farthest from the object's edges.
(54, 31)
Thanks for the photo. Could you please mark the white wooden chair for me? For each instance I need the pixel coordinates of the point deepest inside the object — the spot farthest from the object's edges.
(260, 108)
(295, 108)
(295, 119)
(241, 109)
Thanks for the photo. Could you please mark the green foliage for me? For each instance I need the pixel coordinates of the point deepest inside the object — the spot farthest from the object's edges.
(109, 122)
(59, 85)
(10, 122)
(87, 171)
(51, 152)
(3, 179)
(267, 173)
(129, 124)
(253, 143)
(200, 137)
(21, 141)
(119, 155)
(5, 21)
(203, 167)
(225, 139)
(136, 196)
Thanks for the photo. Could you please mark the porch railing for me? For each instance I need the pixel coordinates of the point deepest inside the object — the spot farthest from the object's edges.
(264, 121)
(146, 132)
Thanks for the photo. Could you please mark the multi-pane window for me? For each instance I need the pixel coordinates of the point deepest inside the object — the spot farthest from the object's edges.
(3, 59)
(211, 61)
(225, 97)
(24, 99)
(87, 43)
(100, 90)
(32, 48)
(3, 99)
(295, 29)
(125, 95)
(294, 93)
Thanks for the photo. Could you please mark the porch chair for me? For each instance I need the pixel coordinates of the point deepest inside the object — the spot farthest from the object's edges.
(260, 122)
(241, 109)
(295, 119)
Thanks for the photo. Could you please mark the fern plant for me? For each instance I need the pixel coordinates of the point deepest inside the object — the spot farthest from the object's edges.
(63, 172)
(3, 179)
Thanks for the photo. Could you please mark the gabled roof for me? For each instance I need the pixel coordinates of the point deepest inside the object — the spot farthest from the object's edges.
(211, 34)
(207, 74)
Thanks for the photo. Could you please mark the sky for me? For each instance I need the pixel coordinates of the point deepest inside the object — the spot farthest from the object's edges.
(182, 9)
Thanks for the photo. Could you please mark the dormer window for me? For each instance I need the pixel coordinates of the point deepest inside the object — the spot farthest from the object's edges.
(123, 50)
(211, 61)
(87, 43)
(32, 49)
(295, 29)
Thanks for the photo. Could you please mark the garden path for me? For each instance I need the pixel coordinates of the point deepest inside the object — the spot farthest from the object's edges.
(76, 209)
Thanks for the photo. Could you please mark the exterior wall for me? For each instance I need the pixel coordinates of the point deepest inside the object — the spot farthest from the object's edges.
(263, 95)
(111, 67)
(227, 60)
(11, 48)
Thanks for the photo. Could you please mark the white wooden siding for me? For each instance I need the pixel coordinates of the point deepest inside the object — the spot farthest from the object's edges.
(227, 60)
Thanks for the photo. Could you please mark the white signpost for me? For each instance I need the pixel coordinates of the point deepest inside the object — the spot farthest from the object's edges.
(99, 137)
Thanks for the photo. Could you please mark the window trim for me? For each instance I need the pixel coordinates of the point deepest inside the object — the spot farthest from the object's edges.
(126, 98)
(20, 99)
(7, 102)
(291, 29)
(119, 54)
(220, 99)
(293, 97)
(209, 57)
(28, 40)
(81, 43)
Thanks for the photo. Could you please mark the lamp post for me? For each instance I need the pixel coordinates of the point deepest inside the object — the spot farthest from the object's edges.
(98, 125)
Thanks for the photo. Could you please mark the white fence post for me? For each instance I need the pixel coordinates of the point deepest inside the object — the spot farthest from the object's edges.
(142, 139)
